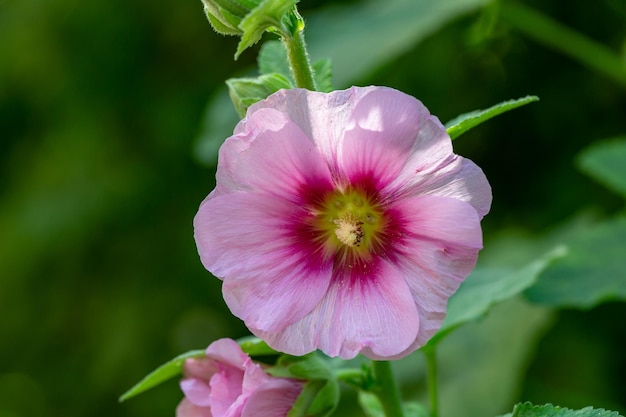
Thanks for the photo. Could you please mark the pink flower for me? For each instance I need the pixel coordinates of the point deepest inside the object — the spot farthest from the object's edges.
(342, 221)
(226, 383)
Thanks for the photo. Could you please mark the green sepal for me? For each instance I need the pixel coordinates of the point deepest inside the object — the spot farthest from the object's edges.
(461, 124)
(254, 346)
(226, 15)
(244, 92)
(549, 410)
(269, 14)
(320, 395)
(161, 374)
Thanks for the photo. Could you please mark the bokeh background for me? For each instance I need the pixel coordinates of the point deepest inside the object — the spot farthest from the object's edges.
(102, 120)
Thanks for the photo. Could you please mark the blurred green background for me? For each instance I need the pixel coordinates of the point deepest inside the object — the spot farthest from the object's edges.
(101, 108)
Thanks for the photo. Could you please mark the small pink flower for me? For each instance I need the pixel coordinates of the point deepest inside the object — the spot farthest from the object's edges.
(342, 221)
(226, 383)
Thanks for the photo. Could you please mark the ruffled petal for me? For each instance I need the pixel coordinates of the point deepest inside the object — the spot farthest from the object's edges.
(367, 308)
(439, 250)
(454, 177)
(271, 154)
(227, 351)
(187, 409)
(250, 240)
(201, 368)
(386, 127)
(273, 399)
(197, 391)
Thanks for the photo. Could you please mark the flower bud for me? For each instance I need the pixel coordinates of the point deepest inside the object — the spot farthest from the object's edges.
(250, 18)
(226, 15)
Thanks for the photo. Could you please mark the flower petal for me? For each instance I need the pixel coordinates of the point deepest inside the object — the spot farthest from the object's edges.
(187, 409)
(454, 177)
(227, 351)
(274, 399)
(386, 127)
(440, 249)
(367, 308)
(270, 278)
(270, 153)
(197, 391)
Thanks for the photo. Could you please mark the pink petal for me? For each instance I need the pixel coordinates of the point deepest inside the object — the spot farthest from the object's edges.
(443, 237)
(227, 352)
(201, 368)
(197, 391)
(187, 409)
(385, 129)
(455, 177)
(270, 279)
(321, 116)
(254, 378)
(271, 154)
(274, 399)
(369, 307)
(226, 391)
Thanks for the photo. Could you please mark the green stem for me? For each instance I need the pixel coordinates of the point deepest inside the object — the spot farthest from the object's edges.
(431, 377)
(557, 36)
(387, 389)
(299, 61)
(349, 374)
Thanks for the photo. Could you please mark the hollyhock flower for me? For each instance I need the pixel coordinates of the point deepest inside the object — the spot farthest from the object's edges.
(342, 221)
(226, 383)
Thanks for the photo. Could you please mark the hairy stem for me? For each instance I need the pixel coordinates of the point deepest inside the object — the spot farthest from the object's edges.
(299, 61)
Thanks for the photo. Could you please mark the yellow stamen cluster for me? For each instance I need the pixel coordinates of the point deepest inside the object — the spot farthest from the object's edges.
(350, 221)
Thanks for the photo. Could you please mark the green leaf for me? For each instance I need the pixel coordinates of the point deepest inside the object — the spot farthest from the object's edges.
(370, 404)
(273, 59)
(549, 410)
(593, 271)
(461, 124)
(244, 92)
(488, 286)
(323, 73)
(268, 14)
(413, 409)
(361, 37)
(164, 372)
(320, 395)
(606, 163)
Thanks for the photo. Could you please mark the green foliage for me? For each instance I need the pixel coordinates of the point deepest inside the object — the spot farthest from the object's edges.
(269, 14)
(164, 372)
(244, 92)
(549, 410)
(321, 391)
(486, 287)
(360, 39)
(370, 404)
(254, 346)
(357, 40)
(606, 162)
(593, 272)
(461, 124)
